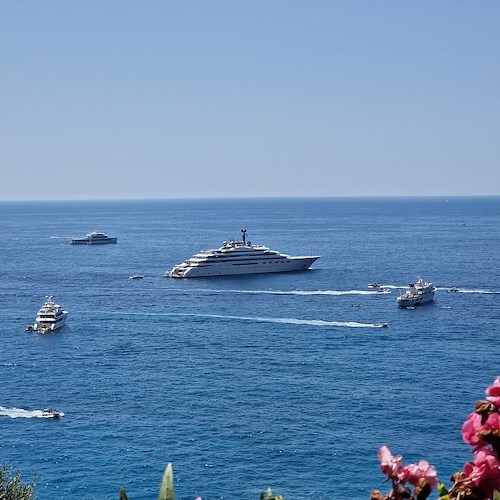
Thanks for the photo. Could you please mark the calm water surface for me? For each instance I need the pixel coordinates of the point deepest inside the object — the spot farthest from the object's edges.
(244, 382)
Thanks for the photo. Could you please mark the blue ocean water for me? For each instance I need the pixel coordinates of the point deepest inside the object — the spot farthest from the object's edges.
(244, 382)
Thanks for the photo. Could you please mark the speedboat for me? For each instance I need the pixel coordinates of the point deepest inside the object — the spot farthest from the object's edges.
(50, 317)
(373, 285)
(383, 290)
(51, 413)
(417, 294)
(136, 277)
(239, 257)
(453, 289)
(93, 238)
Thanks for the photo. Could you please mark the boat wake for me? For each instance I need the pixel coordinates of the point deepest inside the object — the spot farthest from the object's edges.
(258, 319)
(20, 413)
(467, 290)
(297, 292)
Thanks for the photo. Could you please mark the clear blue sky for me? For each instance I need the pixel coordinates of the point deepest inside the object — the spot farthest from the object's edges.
(224, 98)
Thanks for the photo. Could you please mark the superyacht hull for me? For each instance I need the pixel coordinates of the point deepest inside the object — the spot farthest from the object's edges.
(242, 268)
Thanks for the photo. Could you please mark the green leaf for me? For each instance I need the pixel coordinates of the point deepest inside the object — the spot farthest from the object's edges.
(167, 485)
(496, 495)
(443, 492)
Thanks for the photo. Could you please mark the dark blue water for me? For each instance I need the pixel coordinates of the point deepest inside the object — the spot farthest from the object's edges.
(244, 382)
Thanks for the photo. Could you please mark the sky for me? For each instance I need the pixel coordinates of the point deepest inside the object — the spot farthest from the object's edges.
(104, 99)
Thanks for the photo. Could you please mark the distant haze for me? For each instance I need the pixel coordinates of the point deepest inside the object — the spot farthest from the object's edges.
(221, 98)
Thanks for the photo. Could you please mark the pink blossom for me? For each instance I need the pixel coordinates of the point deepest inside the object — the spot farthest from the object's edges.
(389, 465)
(485, 471)
(473, 426)
(412, 473)
(493, 392)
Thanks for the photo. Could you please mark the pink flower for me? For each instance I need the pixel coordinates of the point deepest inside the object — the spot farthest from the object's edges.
(485, 471)
(412, 473)
(473, 426)
(389, 465)
(493, 392)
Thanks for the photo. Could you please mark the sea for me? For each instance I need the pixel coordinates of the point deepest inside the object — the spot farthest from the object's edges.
(284, 380)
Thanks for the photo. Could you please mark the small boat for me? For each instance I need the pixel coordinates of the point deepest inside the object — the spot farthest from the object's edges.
(417, 294)
(453, 289)
(383, 290)
(382, 325)
(93, 238)
(373, 285)
(136, 277)
(51, 413)
(50, 317)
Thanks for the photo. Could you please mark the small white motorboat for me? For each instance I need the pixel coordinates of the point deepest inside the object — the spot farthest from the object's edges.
(136, 277)
(453, 289)
(51, 413)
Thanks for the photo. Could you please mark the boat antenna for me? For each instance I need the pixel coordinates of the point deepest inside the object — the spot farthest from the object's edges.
(244, 231)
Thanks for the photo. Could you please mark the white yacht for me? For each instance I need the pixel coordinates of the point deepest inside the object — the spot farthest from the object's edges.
(239, 257)
(418, 293)
(93, 238)
(50, 317)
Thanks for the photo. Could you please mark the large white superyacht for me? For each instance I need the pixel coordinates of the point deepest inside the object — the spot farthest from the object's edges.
(239, 257)
(50, 317)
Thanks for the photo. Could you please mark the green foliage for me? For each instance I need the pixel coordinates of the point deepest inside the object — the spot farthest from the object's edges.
(11, 487)
(443, 492)
(167, 485)
(270, 496)
(496, 495)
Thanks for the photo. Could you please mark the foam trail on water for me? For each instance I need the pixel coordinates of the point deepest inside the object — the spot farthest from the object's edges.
(465, 290)
(294, 292)
(21, 413)
(289, 321)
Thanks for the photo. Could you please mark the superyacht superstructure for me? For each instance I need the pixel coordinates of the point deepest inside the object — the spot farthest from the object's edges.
(239, 257)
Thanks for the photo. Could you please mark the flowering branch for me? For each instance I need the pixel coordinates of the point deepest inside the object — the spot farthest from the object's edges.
(479, 479)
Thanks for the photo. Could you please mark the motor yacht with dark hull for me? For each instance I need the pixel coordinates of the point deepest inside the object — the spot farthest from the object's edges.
(94, 238)
(50, 317)
(417, 294)
(237, 258)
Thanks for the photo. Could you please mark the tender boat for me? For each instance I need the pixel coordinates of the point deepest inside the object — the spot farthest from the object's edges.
(93, 238)
(373, 285)
(136, 277)
(50, 317)
(383, 290)
(51, 413)
(453, 289)
(418, 293)
(239, 257)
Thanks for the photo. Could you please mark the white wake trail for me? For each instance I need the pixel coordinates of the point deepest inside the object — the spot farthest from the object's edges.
(258, 319)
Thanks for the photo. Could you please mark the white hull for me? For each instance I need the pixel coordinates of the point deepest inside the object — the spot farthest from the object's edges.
(242, 268)
(50, 326)
(415, 301)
